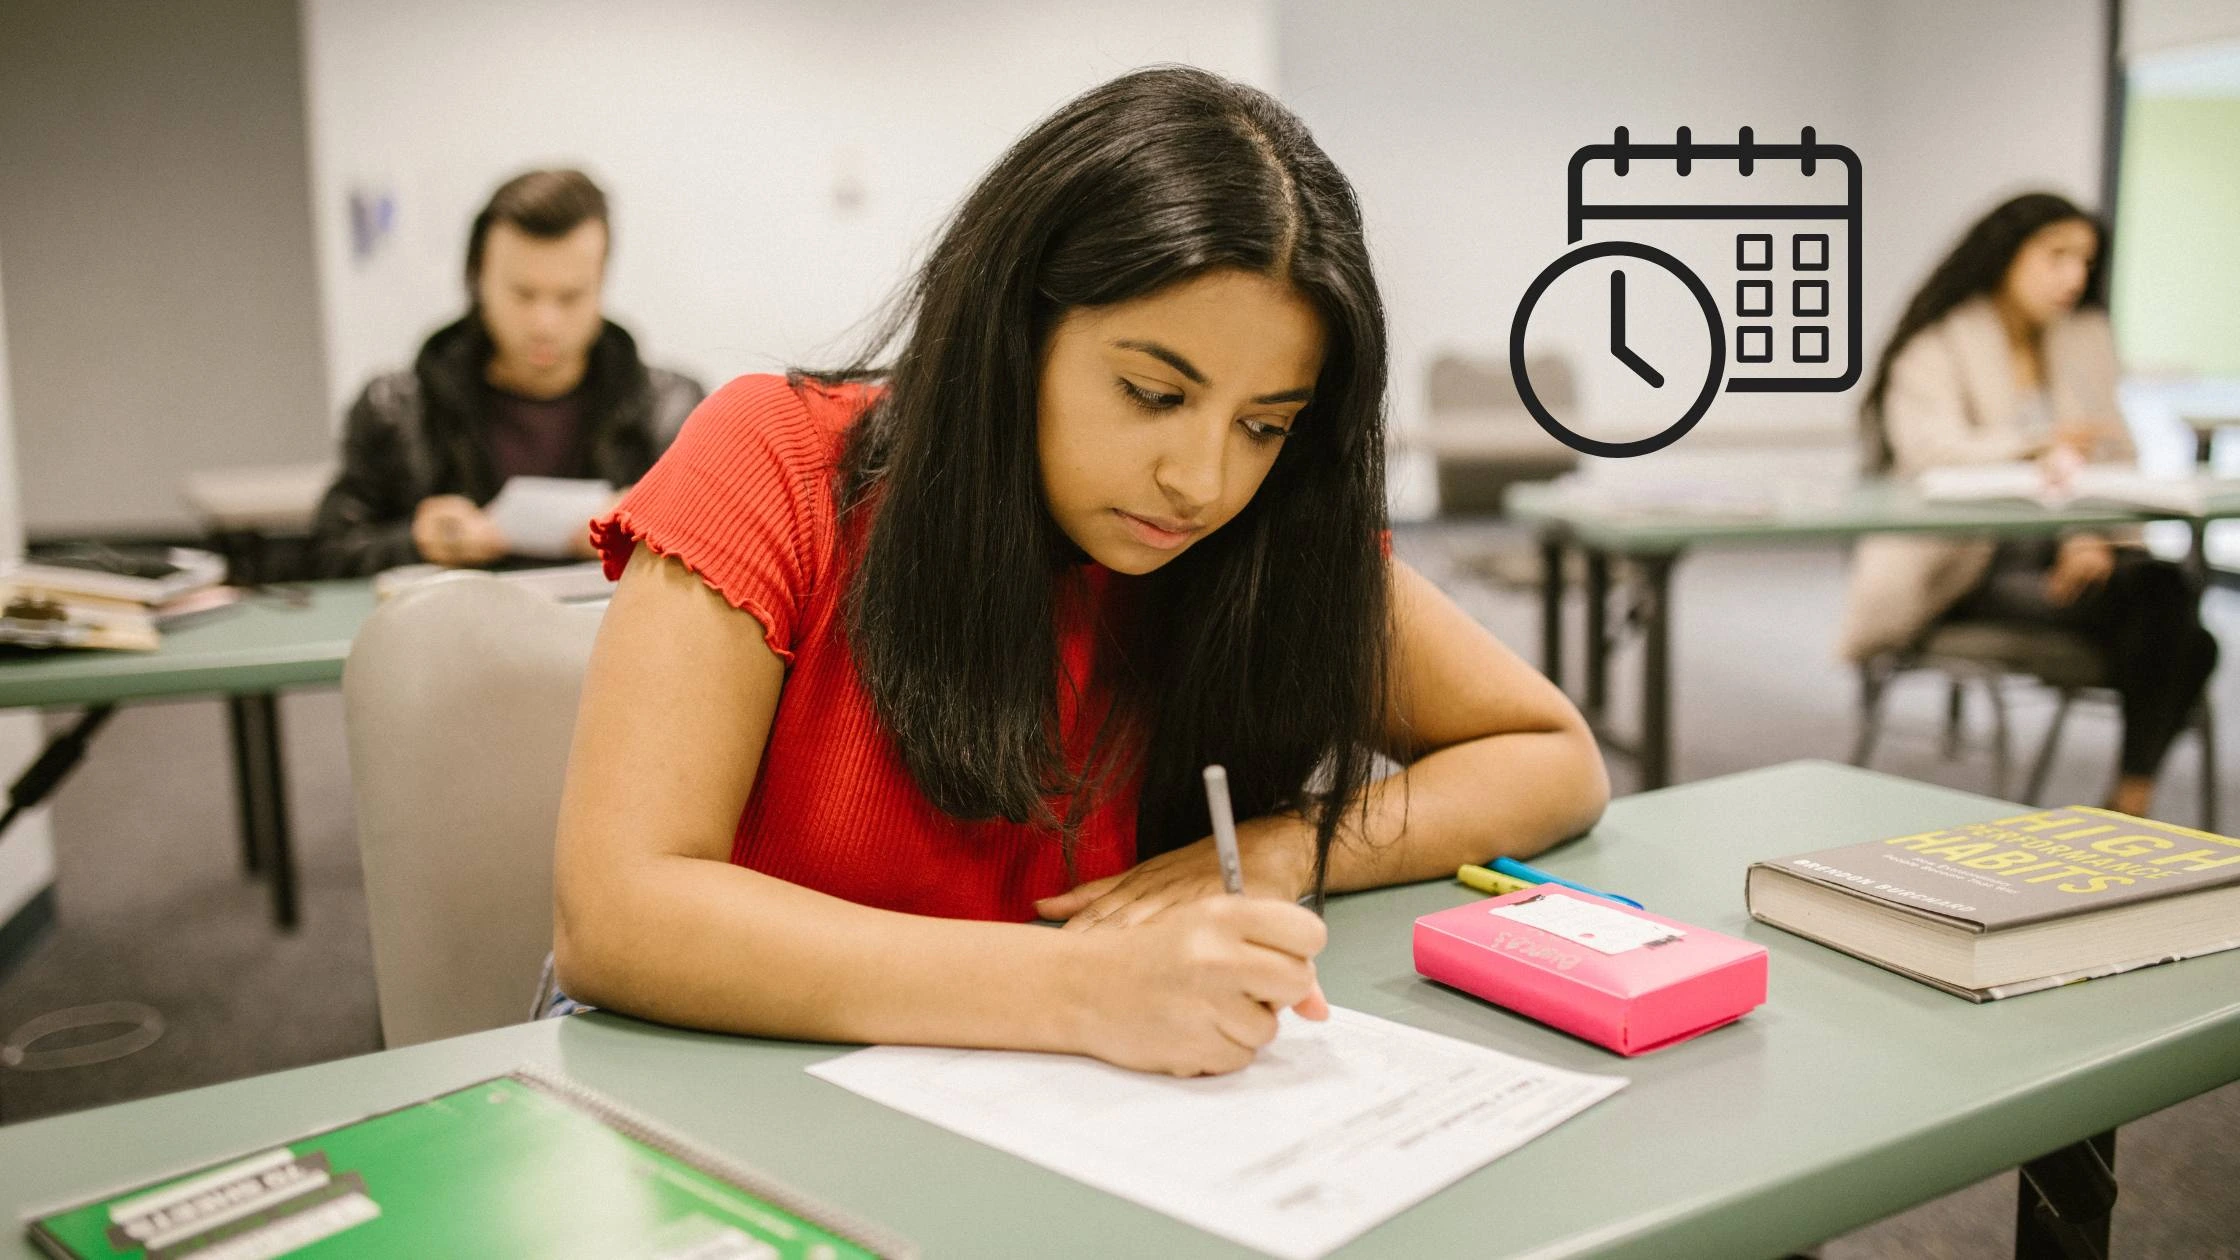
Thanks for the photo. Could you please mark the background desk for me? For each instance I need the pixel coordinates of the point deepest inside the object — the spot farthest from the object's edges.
(1653, 541)
(248, 654)
(1852, 1094)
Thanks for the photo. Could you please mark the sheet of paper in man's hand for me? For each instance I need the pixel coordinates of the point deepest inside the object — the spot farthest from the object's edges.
(547, 517)
(1333, 1128)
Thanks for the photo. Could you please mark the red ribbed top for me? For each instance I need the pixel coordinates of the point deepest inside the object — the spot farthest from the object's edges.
(746, 498)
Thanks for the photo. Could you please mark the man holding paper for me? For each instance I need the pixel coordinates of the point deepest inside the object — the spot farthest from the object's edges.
(518, 422)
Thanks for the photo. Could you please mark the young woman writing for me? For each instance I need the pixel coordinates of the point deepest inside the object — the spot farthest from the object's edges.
(902, 660)
(2006, 354)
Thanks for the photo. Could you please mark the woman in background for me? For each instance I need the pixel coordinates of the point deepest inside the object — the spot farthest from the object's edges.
(2006, 354)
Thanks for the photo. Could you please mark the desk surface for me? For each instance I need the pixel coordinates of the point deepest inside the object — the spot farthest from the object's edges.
(1868, 508)
(1853, 1093)
(263, 644)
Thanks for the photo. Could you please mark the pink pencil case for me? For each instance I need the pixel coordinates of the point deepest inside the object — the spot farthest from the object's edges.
(1619, 977)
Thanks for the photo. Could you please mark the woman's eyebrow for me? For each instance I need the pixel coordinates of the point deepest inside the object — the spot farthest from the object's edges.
(1184, 366)
(1166, 356)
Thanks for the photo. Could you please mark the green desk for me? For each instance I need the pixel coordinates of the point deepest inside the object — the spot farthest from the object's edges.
(248, 653)
(1852, 1094)
(1652, 541)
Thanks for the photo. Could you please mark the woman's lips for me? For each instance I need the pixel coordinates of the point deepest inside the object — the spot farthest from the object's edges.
(1165, 536)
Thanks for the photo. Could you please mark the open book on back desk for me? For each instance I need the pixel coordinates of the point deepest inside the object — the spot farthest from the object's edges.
(2120, 485)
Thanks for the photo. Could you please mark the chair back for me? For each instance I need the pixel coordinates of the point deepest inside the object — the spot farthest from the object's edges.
(460, 699)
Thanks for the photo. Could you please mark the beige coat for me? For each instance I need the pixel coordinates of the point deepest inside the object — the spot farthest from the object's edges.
(1952, 399)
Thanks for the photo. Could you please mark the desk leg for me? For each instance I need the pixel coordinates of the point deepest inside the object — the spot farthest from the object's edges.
(2080, 1179)
(1598, 638)
(2197, 559)
(1551, 606)
(1655, 762)
(244, 784)
(265, 797)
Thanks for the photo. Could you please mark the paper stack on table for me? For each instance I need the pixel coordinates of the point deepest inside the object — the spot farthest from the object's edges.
(1334, 1128)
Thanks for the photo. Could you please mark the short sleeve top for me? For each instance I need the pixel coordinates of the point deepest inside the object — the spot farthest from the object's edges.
(747, 498)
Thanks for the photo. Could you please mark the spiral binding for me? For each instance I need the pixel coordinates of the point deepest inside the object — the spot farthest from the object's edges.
(642, 1128)
(1684, 150)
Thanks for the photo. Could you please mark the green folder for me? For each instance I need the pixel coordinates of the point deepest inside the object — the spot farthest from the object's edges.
(520, 1165)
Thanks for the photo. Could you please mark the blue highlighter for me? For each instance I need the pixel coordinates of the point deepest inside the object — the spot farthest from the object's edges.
(1532, 874)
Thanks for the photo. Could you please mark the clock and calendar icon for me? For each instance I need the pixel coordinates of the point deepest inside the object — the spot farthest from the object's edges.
(1696, 270)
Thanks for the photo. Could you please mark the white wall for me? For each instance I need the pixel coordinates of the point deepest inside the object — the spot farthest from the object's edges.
(27, 847)
(155, 199)
(1455, 119)
(2154, 25)
(721, 132)
(1972, 103)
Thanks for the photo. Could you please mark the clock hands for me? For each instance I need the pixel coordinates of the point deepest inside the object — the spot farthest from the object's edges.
(1618, 348)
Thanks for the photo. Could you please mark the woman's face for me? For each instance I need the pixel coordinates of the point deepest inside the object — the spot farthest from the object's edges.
(1158, 417)
(2047, 276)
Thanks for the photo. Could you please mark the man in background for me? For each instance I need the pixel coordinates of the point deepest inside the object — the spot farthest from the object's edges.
(532, 381)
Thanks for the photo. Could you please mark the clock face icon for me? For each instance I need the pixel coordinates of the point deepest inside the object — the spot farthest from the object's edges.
(1661, 347)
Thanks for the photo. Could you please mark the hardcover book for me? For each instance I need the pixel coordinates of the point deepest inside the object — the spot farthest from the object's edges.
(1995, 909)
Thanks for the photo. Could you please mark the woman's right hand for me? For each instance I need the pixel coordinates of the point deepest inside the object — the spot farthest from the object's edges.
(1195, 991)
(448, 529)
(2084, 436)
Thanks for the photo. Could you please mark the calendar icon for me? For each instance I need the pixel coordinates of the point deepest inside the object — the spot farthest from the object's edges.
(1761, 240)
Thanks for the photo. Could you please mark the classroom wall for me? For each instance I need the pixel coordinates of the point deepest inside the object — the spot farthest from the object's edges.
(774, 168)
(163, 302)
(2156, 25)
(1971, 104)
(1455, 120)
(26, 847)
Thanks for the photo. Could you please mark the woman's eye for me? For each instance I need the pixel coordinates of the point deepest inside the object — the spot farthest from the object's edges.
(1263, 431)
(1147, 399)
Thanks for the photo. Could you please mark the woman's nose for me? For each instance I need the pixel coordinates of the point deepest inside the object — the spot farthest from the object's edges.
(1189, 472)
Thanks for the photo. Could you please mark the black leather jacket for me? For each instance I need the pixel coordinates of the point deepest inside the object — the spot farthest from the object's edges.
(420, 433)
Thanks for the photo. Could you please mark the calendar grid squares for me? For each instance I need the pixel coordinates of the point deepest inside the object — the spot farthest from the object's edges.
(1778, 251)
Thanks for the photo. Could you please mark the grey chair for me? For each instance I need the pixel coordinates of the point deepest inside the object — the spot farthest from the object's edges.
(460, 699)
(1986, 654)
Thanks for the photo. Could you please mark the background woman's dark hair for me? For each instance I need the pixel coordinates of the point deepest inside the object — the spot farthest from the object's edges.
(1975, 267)
(1263, 647)
(543, 204)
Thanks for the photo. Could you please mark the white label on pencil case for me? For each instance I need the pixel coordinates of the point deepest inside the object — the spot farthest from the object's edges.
(1605, 929)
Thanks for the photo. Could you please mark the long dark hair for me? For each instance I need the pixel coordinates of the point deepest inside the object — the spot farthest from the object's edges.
(1976, 267)
(1264, 646)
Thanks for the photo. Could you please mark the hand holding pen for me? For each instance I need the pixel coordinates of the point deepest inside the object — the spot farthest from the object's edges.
(1197, 987)
(1315, 1006)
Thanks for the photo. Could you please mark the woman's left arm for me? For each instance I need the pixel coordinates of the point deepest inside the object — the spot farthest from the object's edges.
(1496, 761)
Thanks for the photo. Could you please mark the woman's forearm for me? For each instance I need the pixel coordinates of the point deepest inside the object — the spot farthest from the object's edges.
(1511, 794)
(707, 944)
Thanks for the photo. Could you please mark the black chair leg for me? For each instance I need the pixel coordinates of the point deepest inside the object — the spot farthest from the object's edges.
(1953, 713)
(1873, 682)
(2205, 724)
(2000, 742)
(2036, 788)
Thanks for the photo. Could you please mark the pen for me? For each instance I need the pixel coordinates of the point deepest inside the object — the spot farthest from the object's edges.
(1493, 882)
(1225, 850)
(1531, 874)
(1224, 829)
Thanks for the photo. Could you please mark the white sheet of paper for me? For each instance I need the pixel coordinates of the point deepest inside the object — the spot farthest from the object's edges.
(546, 516)
(1334, 1127)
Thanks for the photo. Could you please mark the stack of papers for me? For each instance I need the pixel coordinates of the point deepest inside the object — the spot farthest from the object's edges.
(1333, 1128)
